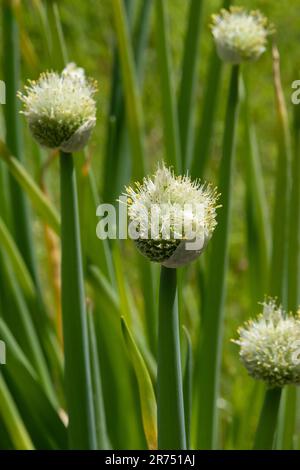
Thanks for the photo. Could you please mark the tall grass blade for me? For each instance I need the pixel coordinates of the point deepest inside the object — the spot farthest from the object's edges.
(131, 90)
(288, 410)
(81, 429)
(170, 117)
(187, 386)
(117, 159)
(119, 390)
(147, 396)
(264, 438)
(212, 328)
(58, 50)
(258, 223)
(11, 66)
(294, 219)
(20, 269)
(200, 152)
(100, 418)
(279, 260)
(39, 414)
(18, 316)
(278, 268)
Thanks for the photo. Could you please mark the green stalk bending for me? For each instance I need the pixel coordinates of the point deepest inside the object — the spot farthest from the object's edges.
(78, 383)
(264, 438)
(170, 407)
(210, 347)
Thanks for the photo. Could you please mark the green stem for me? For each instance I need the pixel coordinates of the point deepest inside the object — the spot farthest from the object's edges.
(170, 407)
(211, 342)
(197, 159)
(77, 362)
(11, 66)
(134, 111)
(265, 432)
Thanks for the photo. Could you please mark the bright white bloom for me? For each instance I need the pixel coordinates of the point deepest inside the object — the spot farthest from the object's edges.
(240, 35)
(270, 346)
(60, 108)
(173, 216)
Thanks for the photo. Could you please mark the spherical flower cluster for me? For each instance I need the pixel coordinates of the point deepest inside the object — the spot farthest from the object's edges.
(270, 346)
(60, 108)
(174, 218)
(240, 36)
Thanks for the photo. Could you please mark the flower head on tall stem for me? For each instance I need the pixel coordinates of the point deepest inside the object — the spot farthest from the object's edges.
(60, 108)
(270, 346)
(240, 36)
(174, 216)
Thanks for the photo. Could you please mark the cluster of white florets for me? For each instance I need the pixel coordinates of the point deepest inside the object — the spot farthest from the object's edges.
(60, 108)
(270, 346)
(169, 209)
(240, 35)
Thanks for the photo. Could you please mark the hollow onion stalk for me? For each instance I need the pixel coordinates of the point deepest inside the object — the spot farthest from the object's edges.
(170, 407)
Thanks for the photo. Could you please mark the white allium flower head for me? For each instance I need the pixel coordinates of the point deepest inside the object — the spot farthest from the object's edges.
(174, 217)
(240, 36)
(60, 108)
(270, 346)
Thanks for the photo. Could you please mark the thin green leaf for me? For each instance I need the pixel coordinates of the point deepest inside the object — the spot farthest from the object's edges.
(39, 201)
(170, 406)
(39, 414)
(187, 386)
(82, 433)
(131, 90)
(258, 222)
(264, 438)
(14, 140)
(211, 339)
(100, 418)
(13, 420)
(170, 118)
(200, 152)
(279, 261)
(189, 79)
(9, 246)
